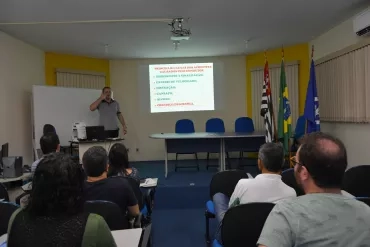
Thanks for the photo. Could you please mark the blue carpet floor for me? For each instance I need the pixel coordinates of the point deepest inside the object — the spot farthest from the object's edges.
(178, 216)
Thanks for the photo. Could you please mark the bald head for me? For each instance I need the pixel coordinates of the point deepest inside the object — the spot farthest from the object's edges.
(325, 158)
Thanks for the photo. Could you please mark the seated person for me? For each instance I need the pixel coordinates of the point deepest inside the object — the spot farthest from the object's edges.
(49, 143)
(266, 187)
(323, 216)
(54, 215)
(99, 187)
(119, 164)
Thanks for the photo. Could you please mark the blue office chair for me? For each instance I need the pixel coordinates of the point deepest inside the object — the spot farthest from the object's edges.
(245, 125)
(299, 132)
(185, 126)
(215, 125)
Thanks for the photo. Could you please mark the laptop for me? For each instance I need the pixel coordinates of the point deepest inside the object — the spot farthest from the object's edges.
(95, 133)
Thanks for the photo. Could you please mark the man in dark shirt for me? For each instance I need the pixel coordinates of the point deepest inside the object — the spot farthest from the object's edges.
(99, 187)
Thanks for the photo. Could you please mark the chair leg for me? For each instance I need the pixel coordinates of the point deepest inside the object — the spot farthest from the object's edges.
(207, 161)
(241, 157)
(196, 159)
(228, 160)
(176, 162)
(208, 239)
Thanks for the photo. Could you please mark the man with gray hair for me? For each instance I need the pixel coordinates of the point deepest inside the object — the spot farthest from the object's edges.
(265, 187)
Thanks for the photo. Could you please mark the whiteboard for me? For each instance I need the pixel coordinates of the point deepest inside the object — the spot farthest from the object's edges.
(61, 107)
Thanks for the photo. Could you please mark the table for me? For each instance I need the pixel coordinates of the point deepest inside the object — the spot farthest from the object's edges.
(127, 238)
(83, 146)
(25, 176)
(211, 143)
(123, 238)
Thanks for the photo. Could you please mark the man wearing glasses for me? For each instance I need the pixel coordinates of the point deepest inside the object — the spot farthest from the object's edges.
(323, 216)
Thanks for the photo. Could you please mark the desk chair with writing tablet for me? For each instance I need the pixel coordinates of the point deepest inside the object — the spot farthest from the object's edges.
(6, 211)
(111, 213)
(216, 125)
(243, 224)
(222, 182)
(185, 126)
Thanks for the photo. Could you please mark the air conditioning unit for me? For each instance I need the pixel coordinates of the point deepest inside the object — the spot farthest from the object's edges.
(361, 23)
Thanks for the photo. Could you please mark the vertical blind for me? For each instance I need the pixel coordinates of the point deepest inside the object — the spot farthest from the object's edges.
(80, 79)
(292, 78)
(343, 85)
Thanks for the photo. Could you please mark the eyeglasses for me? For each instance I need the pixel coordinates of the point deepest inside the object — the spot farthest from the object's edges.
(294, 161)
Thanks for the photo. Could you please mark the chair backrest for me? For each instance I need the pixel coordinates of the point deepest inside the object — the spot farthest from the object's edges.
(6, 211)
(300, 127)
(111, 213)
(215, 125)
(244, 124)
(289, 179)
(226, 181)
(365, 200)
(4, 196)
(184, 126)
(145, 236)
(137, 191)
(356, 181)
(242, 225)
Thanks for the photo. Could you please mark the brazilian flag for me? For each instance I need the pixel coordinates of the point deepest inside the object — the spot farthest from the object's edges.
(284, 117)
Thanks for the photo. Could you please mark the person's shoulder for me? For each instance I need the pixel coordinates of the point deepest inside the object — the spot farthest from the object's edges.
(289, 191)
(120, 181)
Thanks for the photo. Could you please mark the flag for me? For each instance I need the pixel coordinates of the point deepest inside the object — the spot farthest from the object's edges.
(266, 105)
(311, 109)
(284, 118)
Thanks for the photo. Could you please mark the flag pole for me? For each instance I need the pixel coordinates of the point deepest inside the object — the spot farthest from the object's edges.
(312, 52)
(289, 142)
(273, 111)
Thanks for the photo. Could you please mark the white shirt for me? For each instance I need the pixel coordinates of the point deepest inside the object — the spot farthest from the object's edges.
(262, 188)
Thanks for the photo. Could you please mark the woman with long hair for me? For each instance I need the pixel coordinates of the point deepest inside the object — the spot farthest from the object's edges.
(119, 164)
(54, 214)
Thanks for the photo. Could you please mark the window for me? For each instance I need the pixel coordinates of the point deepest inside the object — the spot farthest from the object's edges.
(343, 85)
(291, 71)
(80, 79)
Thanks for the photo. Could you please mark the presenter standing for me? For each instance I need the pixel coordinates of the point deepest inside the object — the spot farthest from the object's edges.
(109, 111)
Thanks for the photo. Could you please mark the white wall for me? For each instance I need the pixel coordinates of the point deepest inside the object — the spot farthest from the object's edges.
(124, 80)
(356, 137)
(21, 66)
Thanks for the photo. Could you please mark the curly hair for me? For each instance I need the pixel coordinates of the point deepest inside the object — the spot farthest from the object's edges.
(57, 187)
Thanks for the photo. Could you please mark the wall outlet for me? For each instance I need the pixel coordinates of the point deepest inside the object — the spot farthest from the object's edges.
(137, 149)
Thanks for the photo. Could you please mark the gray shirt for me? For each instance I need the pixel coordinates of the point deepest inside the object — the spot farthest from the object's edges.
(318, 220)
(108, 113)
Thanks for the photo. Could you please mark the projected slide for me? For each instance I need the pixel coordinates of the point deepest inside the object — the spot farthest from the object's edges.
(181, 87)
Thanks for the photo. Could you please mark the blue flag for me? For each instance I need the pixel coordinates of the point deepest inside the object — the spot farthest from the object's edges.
(311, 109)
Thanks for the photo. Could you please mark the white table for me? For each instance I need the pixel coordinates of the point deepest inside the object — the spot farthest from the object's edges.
(123, 238)
(83, 146)
(25, 176)
(127, 238)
